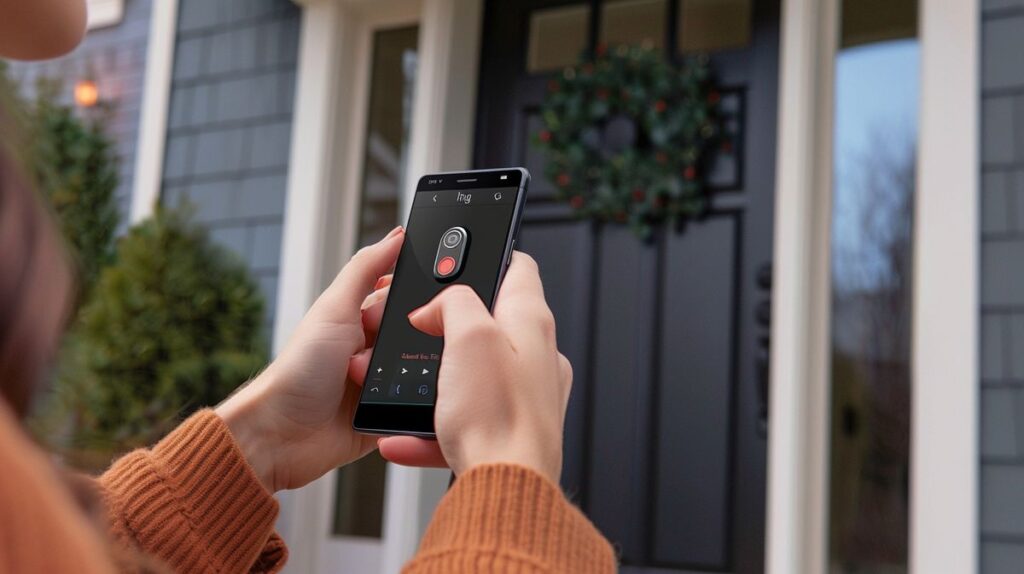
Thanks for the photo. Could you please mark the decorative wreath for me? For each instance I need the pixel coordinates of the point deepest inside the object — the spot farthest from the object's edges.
(626, 135)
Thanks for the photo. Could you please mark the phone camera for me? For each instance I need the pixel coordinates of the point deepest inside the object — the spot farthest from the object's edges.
(452, 238)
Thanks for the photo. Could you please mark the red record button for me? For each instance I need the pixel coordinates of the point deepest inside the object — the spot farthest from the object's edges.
(445, 266)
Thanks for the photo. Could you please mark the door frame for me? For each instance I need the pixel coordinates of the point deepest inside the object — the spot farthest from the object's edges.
(946, 223)
(321, 219)
(945, 418)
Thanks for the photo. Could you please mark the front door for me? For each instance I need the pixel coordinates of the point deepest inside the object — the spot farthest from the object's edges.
(665, 437)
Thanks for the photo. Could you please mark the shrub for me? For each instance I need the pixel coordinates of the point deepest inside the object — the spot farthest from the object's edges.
(171, 326)
(75, 167)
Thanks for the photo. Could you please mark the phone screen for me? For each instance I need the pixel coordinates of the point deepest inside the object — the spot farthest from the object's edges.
(460, 231)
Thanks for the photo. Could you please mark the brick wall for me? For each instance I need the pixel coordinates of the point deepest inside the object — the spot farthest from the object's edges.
(1002, 287)
(115, 57)
(229, 124)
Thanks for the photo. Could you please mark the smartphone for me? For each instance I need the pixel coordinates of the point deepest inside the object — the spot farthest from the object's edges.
(461, 230)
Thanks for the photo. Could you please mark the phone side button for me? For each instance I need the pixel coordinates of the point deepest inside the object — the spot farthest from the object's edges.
(510, 252)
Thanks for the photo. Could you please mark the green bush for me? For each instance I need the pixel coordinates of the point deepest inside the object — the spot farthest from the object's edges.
(74, 165)
(172, 325)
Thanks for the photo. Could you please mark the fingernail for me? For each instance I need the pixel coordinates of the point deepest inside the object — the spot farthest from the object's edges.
(380, 283)
(393, 232)
(414, 313)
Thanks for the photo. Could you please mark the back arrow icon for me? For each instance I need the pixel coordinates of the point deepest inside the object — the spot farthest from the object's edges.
(435, 198)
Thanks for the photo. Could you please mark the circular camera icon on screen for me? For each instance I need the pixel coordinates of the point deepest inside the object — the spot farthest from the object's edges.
(451, 254)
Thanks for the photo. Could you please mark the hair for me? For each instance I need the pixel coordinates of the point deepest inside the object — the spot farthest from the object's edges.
(35, 276)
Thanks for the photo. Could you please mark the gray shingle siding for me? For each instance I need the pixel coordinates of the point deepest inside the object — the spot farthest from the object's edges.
(1002, 288)
(229, 125)
(115, 57)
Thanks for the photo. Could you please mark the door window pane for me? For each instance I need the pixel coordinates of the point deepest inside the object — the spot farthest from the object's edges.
(712, 25)
(392, 78)
(557, 37)
(875, 142)
(359, 491)
(633, 22)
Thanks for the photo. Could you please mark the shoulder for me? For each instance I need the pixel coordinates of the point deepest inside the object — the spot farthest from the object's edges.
(43, 529)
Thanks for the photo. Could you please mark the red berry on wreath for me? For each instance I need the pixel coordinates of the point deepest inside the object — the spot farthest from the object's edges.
(602, 49)
(553, 86)
(620, 216)
(660, 106)
(544, 135)
(576, 201)
(690, 172)
(639, 195)
(661, 157)
(714, 97)
(602, 93)
(563, 179)
(727, 146)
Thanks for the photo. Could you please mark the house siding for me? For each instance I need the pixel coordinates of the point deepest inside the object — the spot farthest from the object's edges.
(229, 125)
(115, 58)
(1001, 504)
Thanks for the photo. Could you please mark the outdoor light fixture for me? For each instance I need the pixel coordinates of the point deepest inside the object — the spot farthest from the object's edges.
(86, 93)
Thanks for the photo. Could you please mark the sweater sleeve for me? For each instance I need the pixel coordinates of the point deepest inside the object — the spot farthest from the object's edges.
(193, 502)
(507, 519)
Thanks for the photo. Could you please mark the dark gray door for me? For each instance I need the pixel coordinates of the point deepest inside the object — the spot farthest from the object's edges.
(665, 438)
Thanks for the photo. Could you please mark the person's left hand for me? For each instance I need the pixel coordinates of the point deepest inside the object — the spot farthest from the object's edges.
(294, 421)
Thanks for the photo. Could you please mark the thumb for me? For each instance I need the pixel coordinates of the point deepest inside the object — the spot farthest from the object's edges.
(343, 298)
(455, 310)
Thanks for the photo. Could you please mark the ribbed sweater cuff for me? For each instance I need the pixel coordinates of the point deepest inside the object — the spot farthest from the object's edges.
(505, 518)
(194, 502)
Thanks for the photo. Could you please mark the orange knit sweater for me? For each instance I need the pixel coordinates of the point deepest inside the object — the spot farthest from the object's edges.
(193, 504)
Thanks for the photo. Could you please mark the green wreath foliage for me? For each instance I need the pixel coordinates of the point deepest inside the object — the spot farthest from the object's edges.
(664, 120)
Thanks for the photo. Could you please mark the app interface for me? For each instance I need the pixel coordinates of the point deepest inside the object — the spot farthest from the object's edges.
(403, 369)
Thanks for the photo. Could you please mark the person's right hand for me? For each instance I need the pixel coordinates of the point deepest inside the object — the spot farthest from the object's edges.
(502, 387)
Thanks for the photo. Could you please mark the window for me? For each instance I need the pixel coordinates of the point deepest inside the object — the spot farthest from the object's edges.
(874, 159)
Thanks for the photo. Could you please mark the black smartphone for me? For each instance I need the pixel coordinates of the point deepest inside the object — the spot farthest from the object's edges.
(462, 229)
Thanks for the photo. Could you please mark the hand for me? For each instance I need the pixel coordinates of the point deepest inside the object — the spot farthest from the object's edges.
(502, 386)
(294, 421)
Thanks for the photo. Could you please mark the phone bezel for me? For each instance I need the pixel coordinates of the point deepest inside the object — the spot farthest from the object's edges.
(418, 420)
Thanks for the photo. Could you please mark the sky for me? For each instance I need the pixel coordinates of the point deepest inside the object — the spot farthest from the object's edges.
(876, 106)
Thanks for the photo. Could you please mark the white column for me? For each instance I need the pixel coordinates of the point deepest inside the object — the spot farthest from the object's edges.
(944, 431)
(156, 94)
(306, 513)
(797, 528)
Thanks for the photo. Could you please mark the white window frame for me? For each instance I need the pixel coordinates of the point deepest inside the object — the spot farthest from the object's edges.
(321, 218)
(944, 433)
(944, 436)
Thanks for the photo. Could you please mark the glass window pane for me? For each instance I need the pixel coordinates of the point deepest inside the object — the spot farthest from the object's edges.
(633, 22)
(712, 25)
(874, 155)
(392, 78)
(359, 500)
(557, 37)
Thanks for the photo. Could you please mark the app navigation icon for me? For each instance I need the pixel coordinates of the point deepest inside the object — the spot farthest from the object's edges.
(404, 370)
(425, 372)
(423, 390)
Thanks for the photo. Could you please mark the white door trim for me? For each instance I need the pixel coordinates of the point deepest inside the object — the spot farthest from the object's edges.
(799, 421)
(944, 431)
(156, 95)
(322, 205)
